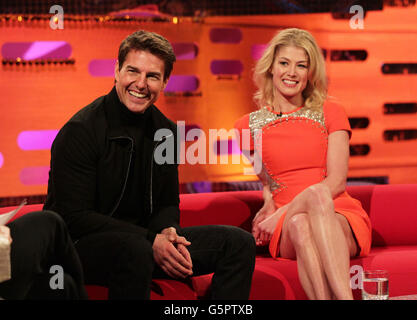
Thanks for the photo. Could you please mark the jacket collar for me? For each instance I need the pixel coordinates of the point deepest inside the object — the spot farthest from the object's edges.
(113, 109)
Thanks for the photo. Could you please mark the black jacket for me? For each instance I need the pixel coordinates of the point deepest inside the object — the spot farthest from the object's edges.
(90, 160)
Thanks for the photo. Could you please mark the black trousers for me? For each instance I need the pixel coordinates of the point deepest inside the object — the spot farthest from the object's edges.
(40, 241)
(124, 262)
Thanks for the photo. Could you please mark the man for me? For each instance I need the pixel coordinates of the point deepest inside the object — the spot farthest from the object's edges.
(120, 205)
(41, 248)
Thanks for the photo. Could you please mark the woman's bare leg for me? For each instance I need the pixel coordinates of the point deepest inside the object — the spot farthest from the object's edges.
(332, 246)
(331, 243)
(297, 242)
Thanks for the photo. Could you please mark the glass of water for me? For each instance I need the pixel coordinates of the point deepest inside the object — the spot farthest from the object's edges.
(375, 285)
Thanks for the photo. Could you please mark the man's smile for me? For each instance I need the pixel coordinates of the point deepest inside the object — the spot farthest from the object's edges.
(137, 94)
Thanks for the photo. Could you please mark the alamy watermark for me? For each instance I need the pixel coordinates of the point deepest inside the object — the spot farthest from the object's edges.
(356, 21)
(57, 20)
(57, 280)
(197, 153)
(356, 280)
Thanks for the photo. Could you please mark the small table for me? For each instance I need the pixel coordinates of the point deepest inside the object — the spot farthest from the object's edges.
(407, 297)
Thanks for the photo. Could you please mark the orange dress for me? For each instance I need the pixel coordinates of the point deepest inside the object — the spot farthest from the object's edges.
(294, 154)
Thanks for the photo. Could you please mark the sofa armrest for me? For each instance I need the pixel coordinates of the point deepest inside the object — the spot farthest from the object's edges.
(26, 209)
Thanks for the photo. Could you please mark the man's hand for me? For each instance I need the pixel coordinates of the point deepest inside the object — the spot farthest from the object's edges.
(171, 254)
(180, 242)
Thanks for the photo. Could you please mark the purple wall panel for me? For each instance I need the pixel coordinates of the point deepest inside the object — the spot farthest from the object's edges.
(34, 176)
(226, 67)
(182, 83)
(185, 50)
(232, 147)
(102, 67)
(36, 50)
(225, 35)
(36, 140)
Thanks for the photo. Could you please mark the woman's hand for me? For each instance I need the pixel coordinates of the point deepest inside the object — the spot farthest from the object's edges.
(267, 210)
(267, 227)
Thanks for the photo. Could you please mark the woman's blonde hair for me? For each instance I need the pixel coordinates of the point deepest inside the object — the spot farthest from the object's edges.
(316, 90)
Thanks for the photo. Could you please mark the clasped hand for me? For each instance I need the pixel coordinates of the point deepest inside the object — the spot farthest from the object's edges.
(265, 221)
(171, 253)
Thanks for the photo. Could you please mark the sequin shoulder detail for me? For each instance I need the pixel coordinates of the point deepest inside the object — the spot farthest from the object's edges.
(260, 118)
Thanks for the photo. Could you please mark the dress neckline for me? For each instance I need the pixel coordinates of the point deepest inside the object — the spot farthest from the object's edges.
(281, 113)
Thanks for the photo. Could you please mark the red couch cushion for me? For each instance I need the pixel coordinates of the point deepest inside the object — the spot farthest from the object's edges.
(401, 263)
(224, 208)
(165, 289)
(394, 215)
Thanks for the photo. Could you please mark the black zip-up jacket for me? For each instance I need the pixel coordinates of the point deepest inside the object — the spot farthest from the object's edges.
(90, 161)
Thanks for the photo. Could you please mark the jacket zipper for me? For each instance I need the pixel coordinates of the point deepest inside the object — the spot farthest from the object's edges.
(152, 160)
(127, 173)
(127, 176)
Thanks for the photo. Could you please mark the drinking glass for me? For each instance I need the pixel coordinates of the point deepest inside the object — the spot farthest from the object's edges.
(375, 285)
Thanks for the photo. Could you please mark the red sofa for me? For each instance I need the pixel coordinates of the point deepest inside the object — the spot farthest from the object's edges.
(393, 212)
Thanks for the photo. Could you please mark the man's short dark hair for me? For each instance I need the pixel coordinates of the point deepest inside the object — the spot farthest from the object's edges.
(152, 42)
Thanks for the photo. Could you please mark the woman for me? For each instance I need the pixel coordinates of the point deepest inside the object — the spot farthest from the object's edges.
(307, 214)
